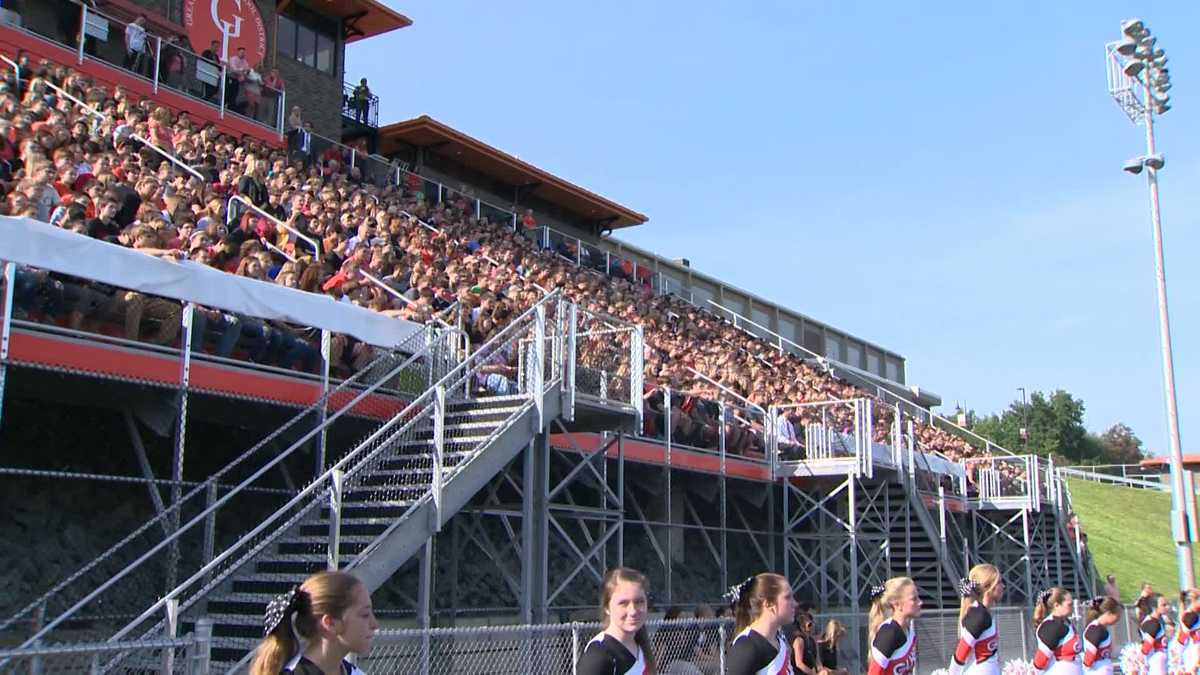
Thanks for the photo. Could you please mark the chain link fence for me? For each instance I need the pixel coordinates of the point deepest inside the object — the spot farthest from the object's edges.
(182, 656)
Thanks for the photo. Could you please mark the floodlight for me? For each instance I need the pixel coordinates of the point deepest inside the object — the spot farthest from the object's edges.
(1133, 68)
(1133, 166)
(1162, 108)
(1133, 27)
(1127, 47)
(1163, 86)
(1155, 162)
(1147, 42)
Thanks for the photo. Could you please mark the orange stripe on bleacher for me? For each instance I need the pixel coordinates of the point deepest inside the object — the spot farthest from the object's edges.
(646, 452)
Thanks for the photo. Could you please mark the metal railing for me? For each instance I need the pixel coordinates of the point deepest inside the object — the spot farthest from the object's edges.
(361, 110)
(409, 427)
(186, 655)
(164, 65)
(608, 359)
(1148, 482)
(229, 216)
(192, 520)
(828, 430)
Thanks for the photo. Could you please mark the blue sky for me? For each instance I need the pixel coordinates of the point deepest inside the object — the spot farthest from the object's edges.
(941, 178)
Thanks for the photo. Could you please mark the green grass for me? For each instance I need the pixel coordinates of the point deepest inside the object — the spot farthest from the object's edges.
(1129, 534)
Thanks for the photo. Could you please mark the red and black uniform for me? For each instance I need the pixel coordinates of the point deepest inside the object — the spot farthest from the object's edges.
(1154, 635)
(1097, 649)
(1154, 645)
(978, 643)
(1058, 647)
(894, 650)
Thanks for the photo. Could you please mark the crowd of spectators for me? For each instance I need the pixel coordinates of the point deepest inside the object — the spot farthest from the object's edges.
(88, 173)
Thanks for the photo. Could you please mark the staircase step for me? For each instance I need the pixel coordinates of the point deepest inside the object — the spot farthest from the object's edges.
(350, 526)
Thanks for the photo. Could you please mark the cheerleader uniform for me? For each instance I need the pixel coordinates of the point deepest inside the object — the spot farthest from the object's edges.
(1058, 648)
(1188, 636)
(893, 651)
(1097, 649)
(753, 654)
(605, 655)
(1154, 645)
(978, 644)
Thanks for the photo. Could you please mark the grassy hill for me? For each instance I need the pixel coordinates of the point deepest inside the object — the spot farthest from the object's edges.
(1129, 533)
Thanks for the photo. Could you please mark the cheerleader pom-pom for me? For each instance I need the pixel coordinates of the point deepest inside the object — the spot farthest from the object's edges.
(1019, 667)
(1175, 657)
(1132, 659)
(941, 671)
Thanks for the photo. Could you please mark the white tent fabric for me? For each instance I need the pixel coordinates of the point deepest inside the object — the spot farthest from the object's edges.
(37, 244)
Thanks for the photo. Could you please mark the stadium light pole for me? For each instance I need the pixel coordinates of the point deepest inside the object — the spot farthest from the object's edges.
(1138, 80)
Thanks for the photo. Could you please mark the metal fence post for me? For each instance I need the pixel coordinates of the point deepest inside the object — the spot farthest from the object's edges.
(82, 31)
(721, 647)
(337, 479)
(439, 449)
(539, 356)
(171, 631)
(200, 652)
(326, 342)
(10, 280)
(39, 618)
(157, 60)
(574, 647)
(221, 91)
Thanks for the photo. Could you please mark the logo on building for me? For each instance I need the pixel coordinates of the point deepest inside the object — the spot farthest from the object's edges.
(230, 23)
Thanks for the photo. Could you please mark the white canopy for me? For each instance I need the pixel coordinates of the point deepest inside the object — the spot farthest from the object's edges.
(37, 244)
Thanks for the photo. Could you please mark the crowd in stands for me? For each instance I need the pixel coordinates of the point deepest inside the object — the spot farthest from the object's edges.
(88, 173)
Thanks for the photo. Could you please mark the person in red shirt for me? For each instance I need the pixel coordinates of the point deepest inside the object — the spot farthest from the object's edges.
(528, 221)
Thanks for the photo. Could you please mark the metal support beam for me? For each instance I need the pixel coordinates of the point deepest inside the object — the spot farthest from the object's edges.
(535, 530)
(139, 451)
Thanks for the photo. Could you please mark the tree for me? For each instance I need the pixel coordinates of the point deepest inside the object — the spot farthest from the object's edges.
(1054, 424)
(1119, 445)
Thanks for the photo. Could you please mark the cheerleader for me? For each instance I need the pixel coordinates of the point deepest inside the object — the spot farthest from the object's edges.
(762, 606)
(623, 647)
(892, 635)
(1102, 612)
(1154, 637)
(1058, 644)
(977, 638)
(332, 612)
(1188, 634)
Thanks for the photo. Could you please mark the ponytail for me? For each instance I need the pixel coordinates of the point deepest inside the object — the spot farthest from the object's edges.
(1100, 606)
(883, 596)
(295, 614)
(749, 598)
(1046, 601)
(977, 585)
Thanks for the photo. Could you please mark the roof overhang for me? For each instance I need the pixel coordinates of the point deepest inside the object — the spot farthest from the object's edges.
(437, 138)
(360, 18)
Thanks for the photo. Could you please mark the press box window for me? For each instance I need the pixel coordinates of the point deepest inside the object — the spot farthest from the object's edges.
(310, 46)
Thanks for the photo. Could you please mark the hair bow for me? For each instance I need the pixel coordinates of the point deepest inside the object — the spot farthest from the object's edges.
(1044, 596)
(967, 588)
(278, 608)
(877, 590)
(1098, 601)
(735, 592)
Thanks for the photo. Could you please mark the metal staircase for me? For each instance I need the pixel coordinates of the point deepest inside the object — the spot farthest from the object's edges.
(371, 510)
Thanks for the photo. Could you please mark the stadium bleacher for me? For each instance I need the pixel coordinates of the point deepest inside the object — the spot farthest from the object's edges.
(310, 224)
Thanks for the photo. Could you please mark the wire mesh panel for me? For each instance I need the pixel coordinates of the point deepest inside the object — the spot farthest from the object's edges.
(182, 656)
(185, 535)
(605, 358)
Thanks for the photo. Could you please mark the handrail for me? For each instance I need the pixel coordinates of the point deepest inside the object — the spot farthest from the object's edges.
(381, 284)
(216, 505)
(419, 221)
(1109, 478)
(322, 481)
(727, 390)
(16, 71)
(63, 92)
(168, 156)
(818, 357)
(228, 212)
(266, 242)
